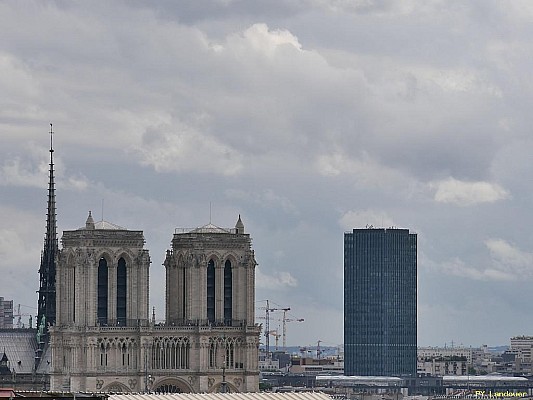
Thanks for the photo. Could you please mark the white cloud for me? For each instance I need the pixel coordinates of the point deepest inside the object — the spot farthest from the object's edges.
(182, 148)
(12, 242)
(16, 78)
(19, 90)
(455, 80)
(33, 171)
(77, 183)
(261, 39)
(277, 110)
(366, 170)
(458, 267)
(267, 198)
(508, 263)
(510, 258)
(362, 218)
(464, 193)
(20, 245)
(17, 172)
(279, 280)
(373, 7)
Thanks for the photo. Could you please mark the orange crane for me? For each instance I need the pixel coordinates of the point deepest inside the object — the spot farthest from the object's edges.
(276, 336)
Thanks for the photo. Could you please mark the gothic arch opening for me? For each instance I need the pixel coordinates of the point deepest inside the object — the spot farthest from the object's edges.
(171, 353)
(69, 280)
(121, 291)
(102, 291)
(226, 352)
(171, 386)
(229, 388)
(228, 293)
(211, 291)
(116, 387)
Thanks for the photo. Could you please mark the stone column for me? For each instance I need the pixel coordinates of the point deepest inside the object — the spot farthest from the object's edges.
(92, 292)
(79, 296)
(219, 290)
(132, 277)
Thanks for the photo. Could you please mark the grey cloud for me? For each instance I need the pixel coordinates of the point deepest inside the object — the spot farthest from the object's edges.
(303, 116)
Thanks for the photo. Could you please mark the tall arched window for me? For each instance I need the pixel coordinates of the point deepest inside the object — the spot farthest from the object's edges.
(228, 291)
(102, 291)
(121, 292)
(211, 291)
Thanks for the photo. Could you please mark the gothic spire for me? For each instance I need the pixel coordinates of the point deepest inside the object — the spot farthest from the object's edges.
(47, 271)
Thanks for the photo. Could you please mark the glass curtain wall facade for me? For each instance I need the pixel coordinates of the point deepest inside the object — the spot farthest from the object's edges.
(380, 302)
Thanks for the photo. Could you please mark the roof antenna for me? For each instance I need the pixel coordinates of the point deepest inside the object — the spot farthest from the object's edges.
(209, 212)
(102, 209)
(51, 141)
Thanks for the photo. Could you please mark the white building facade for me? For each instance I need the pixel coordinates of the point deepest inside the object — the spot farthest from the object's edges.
(445, 352)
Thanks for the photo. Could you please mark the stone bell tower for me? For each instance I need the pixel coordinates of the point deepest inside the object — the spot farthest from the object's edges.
(102, 309)
(210, 275)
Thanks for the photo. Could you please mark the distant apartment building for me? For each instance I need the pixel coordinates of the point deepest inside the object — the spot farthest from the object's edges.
(443, 366)
(520, 355)
(442, 361)
(445, 352)
(380, 292)
(6, 314)
(313, 366)
(458, 361)
(522, 346)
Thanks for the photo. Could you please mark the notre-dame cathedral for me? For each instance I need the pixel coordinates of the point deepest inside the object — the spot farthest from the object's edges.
(100, 336)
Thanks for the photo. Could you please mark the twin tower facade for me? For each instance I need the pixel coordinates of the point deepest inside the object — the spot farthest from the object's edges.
(104, 338)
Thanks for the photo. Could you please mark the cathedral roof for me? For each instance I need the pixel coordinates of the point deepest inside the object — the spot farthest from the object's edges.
(101, 225)
(46, 360)
(19, 348)
(105, 225)
(210, 228)
(108, 225)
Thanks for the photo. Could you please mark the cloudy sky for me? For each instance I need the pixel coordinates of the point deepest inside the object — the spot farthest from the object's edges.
(307, 117)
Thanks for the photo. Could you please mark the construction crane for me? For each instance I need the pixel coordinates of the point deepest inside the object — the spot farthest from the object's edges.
(268, 310)
(285, 320)
(276, 336)
(310, 348)
(19, 316)
(305, 351)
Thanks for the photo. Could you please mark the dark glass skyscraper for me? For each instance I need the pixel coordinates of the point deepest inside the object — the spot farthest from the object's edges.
(380, 287)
